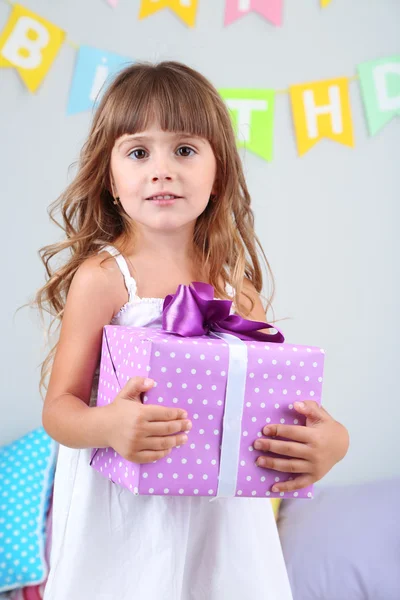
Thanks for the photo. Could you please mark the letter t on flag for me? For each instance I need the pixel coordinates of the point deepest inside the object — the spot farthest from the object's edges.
(30, 44)
(270, 9)
(252, 112)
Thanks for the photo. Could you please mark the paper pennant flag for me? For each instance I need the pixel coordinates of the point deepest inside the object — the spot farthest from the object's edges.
(253, 118)
(380, 89)
(185, 9)
(325, 3)
(321, 109)
(94, 68)
(113, 3)
(30, 44)
(270, 9)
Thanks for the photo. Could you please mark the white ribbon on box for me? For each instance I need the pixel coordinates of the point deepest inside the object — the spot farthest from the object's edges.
(233, 415)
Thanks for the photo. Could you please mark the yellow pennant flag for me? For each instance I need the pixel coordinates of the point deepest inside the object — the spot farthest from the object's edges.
(185, 9)
(321, 109)
(325, 3)
(30, 44)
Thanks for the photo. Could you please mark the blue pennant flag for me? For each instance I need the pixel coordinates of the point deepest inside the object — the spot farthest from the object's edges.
(93, 72)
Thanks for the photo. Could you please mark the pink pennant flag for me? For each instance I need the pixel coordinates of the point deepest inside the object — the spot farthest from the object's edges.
(270, 9)
(112, 3)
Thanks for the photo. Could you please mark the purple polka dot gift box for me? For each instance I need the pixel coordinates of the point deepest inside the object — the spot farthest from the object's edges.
(230, 377)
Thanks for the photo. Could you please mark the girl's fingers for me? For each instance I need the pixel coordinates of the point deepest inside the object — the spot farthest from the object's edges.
(164, 443)
(298, 433)
(291, 485)
(293, 449)
(158, 428)
(311, 410)
(149, 456)
(286, 465)
(152, 412)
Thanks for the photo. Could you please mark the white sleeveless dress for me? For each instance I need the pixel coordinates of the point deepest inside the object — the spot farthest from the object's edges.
(111, 545)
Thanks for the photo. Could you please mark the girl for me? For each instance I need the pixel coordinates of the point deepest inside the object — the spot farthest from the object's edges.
(159, 200)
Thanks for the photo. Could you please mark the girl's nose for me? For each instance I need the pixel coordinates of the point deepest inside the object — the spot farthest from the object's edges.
(161, 168)
(161, 177)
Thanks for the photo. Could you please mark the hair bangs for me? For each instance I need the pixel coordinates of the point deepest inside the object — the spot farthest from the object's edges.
(176, 104)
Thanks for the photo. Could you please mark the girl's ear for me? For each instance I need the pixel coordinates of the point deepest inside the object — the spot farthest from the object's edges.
(112, 189)
(214, 189)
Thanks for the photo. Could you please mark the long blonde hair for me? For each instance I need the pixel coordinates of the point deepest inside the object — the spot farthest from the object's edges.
(182, 100)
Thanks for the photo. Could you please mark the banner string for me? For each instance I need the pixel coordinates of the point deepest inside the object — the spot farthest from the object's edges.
(287, 91)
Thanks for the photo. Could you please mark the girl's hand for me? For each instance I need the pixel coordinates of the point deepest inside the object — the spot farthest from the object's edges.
(143, 433)
(315, 448)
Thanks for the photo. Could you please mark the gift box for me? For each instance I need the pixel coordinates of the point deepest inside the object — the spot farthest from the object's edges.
(231, 378)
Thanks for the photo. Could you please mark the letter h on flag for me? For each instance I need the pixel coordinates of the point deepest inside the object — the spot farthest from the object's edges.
(322, 109)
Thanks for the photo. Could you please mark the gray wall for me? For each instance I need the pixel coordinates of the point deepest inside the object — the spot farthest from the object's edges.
(327, 220)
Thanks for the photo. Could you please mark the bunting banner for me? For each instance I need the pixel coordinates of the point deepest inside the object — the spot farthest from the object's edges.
(253, 118)
(185, 9)
(269, 9)
(113, 3)
(380, 89)
(30, 44)
(321, 109)
(325, 3)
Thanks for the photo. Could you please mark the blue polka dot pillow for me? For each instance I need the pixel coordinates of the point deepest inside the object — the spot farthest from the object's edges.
(26, 481)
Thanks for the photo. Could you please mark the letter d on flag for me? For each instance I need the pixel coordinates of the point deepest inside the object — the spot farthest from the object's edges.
(380, 88)
(30, 44)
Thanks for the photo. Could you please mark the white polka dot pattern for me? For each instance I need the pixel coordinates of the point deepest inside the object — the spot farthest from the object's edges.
(191, 373)
(26, 480)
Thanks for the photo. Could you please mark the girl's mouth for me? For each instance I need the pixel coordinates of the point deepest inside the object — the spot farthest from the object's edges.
(163, 199)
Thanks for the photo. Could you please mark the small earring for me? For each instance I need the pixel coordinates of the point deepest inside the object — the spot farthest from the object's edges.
(213, 198)
(116, 200)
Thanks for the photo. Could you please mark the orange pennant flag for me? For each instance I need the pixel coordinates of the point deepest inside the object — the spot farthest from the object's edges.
(321, 109)
(30, 44)
(185, 9)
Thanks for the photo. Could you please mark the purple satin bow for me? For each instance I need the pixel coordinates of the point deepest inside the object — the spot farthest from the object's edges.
(192, 311)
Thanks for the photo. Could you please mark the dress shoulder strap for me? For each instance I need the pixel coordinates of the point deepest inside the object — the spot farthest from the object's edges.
(130, 282)
(229, 290)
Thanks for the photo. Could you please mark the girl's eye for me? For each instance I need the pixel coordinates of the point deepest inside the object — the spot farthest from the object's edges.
(185, 151)
(138, 154)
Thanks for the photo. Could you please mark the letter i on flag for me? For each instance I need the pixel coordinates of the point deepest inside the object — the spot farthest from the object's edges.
(321, 109)
(185, 9)
(270, 9)
(94, 70)
(30, 44)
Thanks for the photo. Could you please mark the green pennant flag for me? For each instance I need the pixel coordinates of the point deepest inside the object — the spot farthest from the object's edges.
(252, 113)
(380, 88)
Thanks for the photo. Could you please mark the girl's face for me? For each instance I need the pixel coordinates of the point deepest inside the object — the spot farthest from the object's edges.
(163, 179)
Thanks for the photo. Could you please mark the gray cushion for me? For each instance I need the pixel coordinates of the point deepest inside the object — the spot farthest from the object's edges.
(344, 544)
